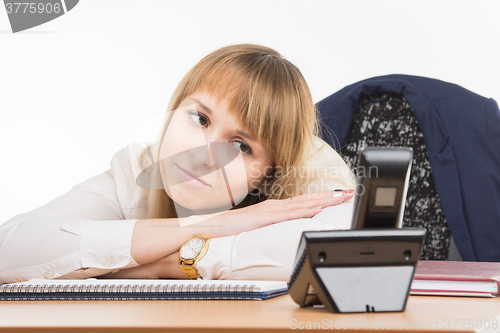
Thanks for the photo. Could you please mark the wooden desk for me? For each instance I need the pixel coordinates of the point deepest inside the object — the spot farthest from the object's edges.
(425, 314)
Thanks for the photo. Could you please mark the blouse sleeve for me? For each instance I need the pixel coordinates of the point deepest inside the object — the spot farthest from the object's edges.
(80, 234)
(267, 253)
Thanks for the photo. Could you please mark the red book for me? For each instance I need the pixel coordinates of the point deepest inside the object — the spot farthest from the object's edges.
(456, 278)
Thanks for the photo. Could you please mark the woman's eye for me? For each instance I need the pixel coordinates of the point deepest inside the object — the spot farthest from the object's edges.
(243, 147)
(198, 118)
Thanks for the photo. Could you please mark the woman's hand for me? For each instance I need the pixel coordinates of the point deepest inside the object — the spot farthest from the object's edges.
(268, 212)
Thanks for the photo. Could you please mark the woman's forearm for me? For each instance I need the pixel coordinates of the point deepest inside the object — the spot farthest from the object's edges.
(264, 253)
(153, 239)
(165, 268)
(169, 268)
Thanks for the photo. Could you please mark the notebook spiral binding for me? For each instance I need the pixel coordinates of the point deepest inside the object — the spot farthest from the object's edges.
(125, 292)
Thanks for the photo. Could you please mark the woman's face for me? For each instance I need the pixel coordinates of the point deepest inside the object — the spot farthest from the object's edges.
(207, 160)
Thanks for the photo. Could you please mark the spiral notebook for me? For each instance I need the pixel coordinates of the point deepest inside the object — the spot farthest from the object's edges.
(93, 289)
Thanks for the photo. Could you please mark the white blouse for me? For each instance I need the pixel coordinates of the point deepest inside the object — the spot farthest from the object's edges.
(88, 232)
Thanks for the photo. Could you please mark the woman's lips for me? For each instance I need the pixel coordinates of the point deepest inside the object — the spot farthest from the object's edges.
(189, 178)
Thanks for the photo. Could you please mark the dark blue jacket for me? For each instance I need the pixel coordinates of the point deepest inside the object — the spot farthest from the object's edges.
(462, 133)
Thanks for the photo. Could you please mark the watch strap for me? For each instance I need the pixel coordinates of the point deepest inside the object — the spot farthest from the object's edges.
(190, 271)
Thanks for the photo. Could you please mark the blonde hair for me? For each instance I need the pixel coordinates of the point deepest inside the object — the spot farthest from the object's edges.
(270, 99)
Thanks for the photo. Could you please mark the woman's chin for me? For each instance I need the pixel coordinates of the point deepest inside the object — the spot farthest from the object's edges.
(193, 201)
(200, 205)
(190, 209)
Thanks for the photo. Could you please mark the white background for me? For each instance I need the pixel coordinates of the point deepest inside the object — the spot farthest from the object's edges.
(74, 89)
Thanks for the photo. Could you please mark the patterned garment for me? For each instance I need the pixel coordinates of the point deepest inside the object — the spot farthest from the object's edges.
(388, 120)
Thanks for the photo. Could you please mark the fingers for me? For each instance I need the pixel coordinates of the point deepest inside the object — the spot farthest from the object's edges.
(293, 214)
(321, 199)
(328, 201)
(343, 196)
(313, 205)
(301, 206)
(306, 197)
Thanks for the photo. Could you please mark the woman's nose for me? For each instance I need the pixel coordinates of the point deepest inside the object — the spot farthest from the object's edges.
(214, 154)
(202, 156)
(201, 151)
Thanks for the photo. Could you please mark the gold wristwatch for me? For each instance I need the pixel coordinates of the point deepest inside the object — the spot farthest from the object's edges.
(190, 253)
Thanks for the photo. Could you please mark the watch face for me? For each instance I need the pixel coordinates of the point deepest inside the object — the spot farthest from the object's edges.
(192, 248)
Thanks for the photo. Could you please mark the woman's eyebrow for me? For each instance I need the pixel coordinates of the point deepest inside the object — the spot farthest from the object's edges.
(243, 134)
(203, 106)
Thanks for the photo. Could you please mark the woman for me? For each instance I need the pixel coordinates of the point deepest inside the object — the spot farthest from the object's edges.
(238, 154)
